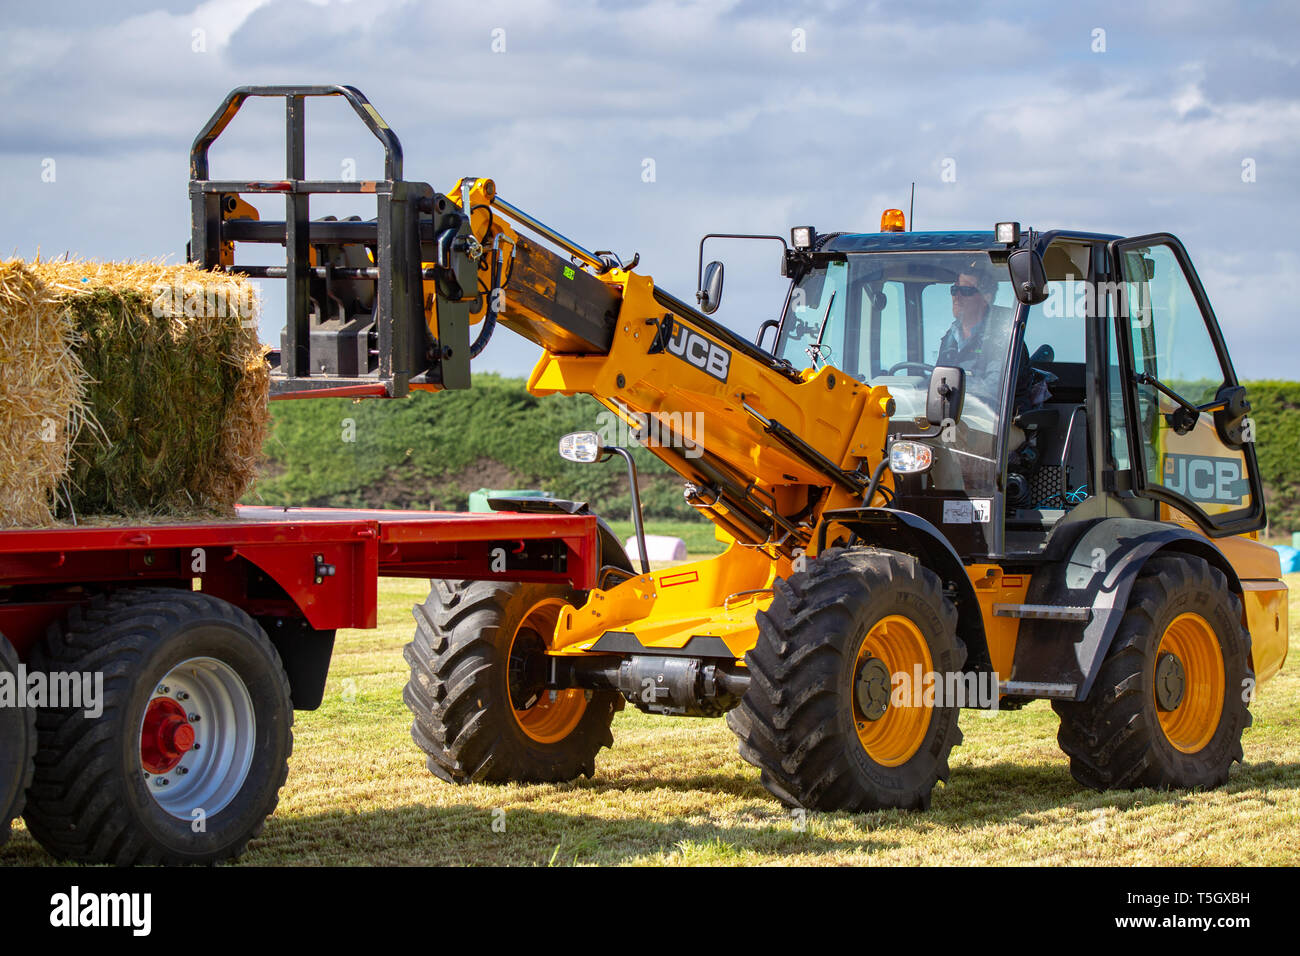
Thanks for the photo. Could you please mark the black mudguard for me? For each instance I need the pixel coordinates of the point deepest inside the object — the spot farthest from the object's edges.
(612, 553)
(1094, 565)
(903, 531)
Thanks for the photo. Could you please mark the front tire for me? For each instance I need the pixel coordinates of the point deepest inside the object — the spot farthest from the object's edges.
(1168, 707)
(17, 744)
(819, 719)
(478, 666)
(186, 760)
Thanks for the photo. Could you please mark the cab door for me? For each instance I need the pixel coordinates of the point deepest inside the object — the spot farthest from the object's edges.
(1189, 435)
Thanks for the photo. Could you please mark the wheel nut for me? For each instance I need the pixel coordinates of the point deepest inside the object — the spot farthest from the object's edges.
(182, 770)
(181, 695)
(194, 718)
(162, 689)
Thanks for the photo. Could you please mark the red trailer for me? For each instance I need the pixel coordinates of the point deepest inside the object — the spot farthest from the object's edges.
(149, 673)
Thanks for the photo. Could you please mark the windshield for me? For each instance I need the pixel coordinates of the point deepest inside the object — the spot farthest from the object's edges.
(889, 318)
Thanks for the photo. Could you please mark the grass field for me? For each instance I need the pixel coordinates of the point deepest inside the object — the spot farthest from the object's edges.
(674, 791)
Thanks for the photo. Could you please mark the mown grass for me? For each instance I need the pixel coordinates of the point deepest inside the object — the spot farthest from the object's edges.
(674, 792)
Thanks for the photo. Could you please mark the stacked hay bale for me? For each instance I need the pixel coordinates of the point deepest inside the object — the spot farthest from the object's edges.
(132, 389)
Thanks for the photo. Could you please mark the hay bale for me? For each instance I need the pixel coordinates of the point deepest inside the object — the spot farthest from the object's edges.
(169, 384)
(42, 396)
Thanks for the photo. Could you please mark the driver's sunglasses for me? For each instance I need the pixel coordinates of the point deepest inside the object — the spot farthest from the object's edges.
(963, 290)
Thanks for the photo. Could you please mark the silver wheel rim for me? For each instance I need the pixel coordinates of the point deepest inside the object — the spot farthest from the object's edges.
(220, 712)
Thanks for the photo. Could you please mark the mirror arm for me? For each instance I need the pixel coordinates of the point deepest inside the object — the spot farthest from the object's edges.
(1182, 420)
(636, 501)
(1142, 378)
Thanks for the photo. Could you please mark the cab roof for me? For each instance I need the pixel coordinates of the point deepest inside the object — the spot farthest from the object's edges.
(952, 241)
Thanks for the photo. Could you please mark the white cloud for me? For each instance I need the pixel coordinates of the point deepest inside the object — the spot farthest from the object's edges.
(746, 133)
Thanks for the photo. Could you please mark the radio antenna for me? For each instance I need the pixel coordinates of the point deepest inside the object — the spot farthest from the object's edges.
(911, 204)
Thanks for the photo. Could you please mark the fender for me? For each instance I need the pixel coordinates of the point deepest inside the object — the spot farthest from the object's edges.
(1094, 565)
(911, 534)
(305, 653)
(612, 553)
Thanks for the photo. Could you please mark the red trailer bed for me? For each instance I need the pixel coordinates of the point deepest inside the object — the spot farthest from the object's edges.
(319, 564)
(172, 656)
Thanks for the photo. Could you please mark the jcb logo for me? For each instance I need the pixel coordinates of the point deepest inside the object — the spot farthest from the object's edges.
(692, 347)
(1213, 480)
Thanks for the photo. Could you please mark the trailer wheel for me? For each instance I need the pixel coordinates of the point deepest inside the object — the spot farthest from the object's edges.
(820, 719)
(17, 744)
(1169, 704)
(478, 670)
(186, 760)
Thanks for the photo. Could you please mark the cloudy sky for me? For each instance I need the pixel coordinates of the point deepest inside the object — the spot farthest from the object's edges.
(1114, 117)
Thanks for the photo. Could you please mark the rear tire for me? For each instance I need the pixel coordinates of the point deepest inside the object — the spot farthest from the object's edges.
(17, 745)
(478, 714)
(145, 782)
(1125, 736)
(802, 722)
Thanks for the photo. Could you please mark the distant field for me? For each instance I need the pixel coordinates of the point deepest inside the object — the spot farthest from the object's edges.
(697, 534)
(674, 791)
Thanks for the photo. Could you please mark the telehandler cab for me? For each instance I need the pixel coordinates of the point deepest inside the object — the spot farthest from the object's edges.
(961, 469)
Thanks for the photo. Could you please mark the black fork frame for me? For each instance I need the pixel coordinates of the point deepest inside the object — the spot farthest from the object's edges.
(408, 215)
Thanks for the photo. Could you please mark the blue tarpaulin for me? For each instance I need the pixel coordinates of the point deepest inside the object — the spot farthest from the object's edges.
(1290, 558)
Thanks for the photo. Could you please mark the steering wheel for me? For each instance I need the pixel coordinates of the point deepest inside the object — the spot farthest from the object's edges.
(925, 369)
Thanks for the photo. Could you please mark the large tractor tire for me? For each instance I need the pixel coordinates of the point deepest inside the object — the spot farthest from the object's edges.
(17, 743)
(186, 761)
(1169, 706)
(818, 720)
(478, 669)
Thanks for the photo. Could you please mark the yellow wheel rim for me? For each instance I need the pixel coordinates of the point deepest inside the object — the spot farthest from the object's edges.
(894, 737)
(1191, 724)
(546, 721)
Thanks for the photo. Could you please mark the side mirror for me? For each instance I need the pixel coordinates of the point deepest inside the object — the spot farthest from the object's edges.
(1028, 278)
(582, 447)
(1230, 419)
(947, 393)
(710, 294)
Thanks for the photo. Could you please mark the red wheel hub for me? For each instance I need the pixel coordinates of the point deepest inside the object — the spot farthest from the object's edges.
(166, 736)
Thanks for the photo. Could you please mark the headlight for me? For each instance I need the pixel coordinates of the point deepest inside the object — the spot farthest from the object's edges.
(581, 447)
(909, 457)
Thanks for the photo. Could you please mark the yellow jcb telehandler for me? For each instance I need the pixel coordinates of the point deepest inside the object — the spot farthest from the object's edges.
(958, 469)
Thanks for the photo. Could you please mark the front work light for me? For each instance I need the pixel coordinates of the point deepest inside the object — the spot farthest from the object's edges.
(802, 237)
(909, 457)
(1007, 232)
(581, 447)
(893, 220)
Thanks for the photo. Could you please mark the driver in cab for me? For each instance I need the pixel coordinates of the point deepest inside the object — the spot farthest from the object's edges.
(977, 339)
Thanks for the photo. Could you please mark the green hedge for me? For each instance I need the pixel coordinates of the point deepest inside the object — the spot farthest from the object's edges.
(1275, 407)
(432, 450)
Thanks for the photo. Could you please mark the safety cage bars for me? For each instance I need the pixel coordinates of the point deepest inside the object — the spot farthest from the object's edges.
(354, 290)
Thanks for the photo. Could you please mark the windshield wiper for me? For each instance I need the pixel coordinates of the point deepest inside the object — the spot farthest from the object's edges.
(815, 350)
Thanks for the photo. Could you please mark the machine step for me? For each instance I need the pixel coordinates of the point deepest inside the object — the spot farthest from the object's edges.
(1029, 688)
(1044, 612)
